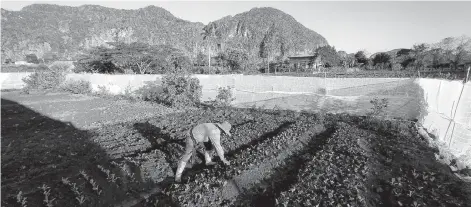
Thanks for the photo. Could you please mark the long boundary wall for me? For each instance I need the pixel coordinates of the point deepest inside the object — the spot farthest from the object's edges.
(443, 107)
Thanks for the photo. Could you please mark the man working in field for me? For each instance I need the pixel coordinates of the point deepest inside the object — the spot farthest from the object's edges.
(210, 135)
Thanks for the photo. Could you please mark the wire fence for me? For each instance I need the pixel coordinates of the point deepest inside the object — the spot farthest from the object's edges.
(442, 106)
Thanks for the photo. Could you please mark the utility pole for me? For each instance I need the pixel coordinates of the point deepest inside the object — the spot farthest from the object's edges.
(268, 65)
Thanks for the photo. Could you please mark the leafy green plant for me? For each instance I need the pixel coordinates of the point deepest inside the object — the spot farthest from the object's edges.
(92, 182)
(379, 106)
(44, 80)
(126, 170)
(73, 186)
(46, 192)
(224, 97)
(109, 176)
(180, 90)
(21, 199)
(77, 86)
(151, 91)
(102, 92)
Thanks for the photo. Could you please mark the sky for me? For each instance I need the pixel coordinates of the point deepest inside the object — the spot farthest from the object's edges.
(348, 25)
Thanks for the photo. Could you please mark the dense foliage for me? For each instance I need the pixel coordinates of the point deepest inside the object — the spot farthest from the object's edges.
(329, 56)
(77, 87)
(180, 90)
(450, 53)
(224, 97)
(265, 32)
(135, 57)
(50, 79)
(66, 31)
(361, 57)
(31, 58)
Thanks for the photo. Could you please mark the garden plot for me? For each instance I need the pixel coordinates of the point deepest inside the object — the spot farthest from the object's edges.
(271, 153)
(220, 185)
(108, 166)
(375, 163)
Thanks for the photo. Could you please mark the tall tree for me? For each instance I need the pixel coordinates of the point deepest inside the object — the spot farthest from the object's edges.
(361, 57)
(437, 57)
(329, 56)
(462, 52)
(209, 35)
(267, 46)
(419, 53)
(381, 59)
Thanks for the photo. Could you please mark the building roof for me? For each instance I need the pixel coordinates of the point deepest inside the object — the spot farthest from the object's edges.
(302, 56)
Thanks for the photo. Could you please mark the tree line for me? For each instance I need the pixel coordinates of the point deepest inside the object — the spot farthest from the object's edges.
(142, 58)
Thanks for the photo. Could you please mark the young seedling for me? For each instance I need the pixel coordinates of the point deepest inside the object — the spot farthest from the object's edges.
(80, 199)
(73, 186)
(92, 182)
(125, 169)
(95, 186)
(415, 174)
(21, 199)
(109, 176)
(46, 193)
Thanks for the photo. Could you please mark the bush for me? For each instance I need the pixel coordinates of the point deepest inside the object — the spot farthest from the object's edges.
(396, 67)
(151, 91)
(44, 80)
(23, 68)
(78, 87)
(224, 97)
(32, 58)
(180, 90)
(103, 92)
(62, 66)
(379, 106)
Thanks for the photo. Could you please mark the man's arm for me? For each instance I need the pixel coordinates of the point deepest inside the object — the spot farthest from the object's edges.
(215, 139)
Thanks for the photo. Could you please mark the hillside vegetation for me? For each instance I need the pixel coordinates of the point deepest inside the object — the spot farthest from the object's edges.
(63, 32)
(267, 29)
(43, 29)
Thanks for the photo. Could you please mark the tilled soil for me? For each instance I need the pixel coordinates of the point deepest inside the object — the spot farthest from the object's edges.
(370, 162)
(278, 158)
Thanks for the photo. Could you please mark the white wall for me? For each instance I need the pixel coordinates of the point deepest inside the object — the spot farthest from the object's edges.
(444, 107)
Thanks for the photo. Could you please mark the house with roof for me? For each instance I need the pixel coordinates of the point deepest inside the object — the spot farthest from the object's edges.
(306, 62)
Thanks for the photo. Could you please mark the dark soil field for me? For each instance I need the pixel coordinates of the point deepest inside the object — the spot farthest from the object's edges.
(278, 158)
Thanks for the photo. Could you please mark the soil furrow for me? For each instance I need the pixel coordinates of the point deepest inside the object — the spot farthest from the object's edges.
(333, 176)
(248, 166)
(263, 138)
(257, 174)
(285, 175)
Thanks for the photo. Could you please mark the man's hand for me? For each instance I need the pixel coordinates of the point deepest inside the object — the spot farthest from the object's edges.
(227, 163)
(178, 180)
(210, 163)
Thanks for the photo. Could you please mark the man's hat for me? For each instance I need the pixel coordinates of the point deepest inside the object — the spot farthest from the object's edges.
(225, 127)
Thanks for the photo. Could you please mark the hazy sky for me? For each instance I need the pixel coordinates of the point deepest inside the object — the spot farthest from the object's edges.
(347, 25)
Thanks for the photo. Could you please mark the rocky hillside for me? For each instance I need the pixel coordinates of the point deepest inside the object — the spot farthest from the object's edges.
(63, 31)
(280, 31)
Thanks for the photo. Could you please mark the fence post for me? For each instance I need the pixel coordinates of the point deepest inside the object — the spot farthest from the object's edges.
(467, 74)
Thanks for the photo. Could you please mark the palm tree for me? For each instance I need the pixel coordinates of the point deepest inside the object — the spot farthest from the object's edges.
(209, 33)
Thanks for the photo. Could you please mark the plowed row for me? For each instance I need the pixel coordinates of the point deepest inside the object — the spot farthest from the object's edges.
(278, 158)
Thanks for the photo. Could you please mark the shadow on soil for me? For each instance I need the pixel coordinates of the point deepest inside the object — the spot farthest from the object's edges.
(38, 150)
(261, 139)
(158, 139)
(287, 175)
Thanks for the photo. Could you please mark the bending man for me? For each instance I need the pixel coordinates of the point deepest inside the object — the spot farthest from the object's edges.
(210, 135)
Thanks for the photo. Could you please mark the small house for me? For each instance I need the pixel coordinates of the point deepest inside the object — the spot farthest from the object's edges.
(307, 62)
